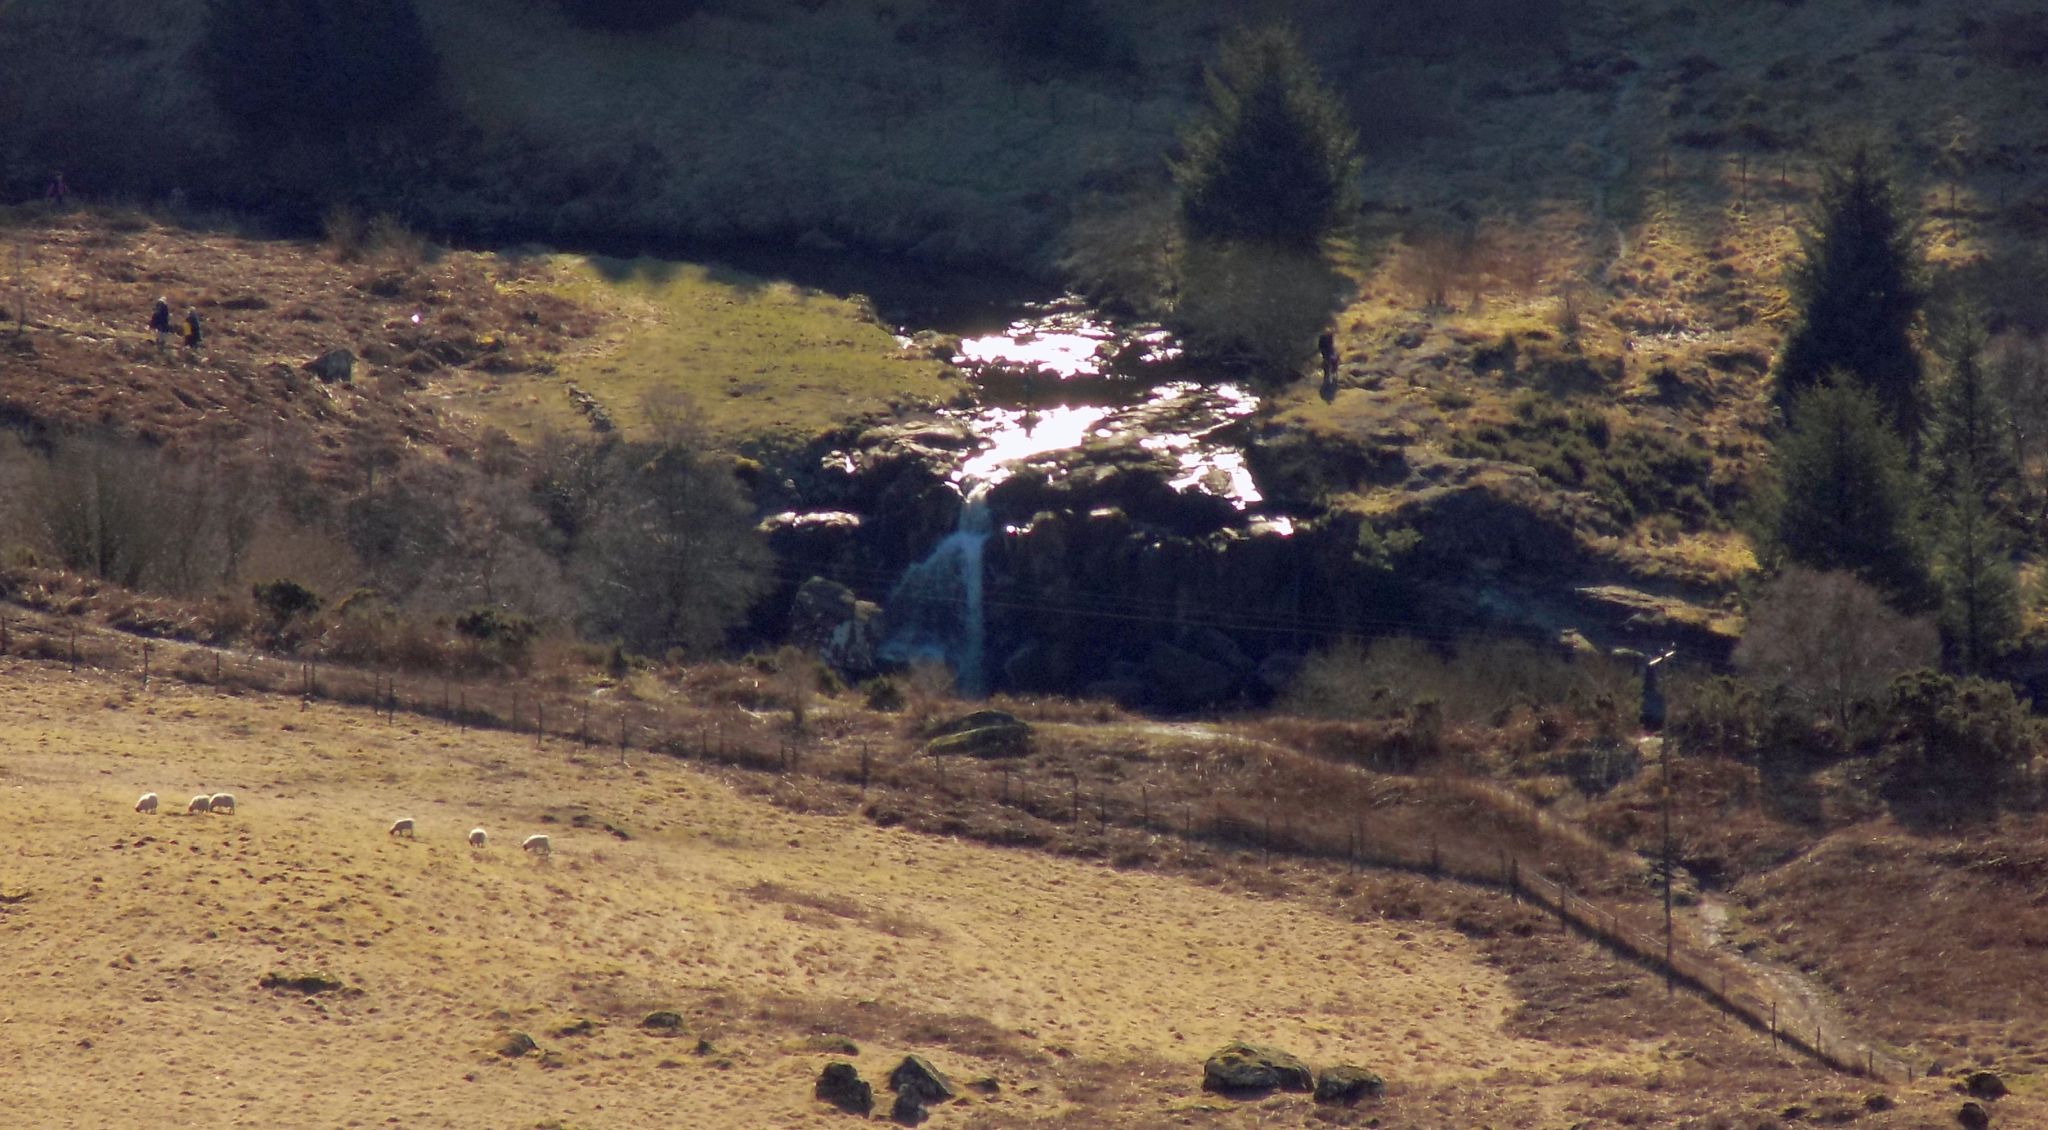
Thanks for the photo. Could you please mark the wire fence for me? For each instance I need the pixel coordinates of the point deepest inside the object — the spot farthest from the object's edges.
(753, 742)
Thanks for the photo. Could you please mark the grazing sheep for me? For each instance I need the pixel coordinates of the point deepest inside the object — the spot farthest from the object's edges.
(147, 804)
(476, 837)
(222, 802)
(200, 803)
(401, 827)
(538, 845)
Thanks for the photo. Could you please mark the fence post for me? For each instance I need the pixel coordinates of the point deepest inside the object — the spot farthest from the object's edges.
(462, 713)
(1774, 1024)
(540, 723)
(866, 764)
(145, 663)
(74, 649)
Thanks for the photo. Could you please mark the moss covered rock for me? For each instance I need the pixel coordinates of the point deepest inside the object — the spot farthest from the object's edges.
(1240, 1068)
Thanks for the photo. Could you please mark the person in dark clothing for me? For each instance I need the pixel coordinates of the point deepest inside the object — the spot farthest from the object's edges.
(58, 193)
(1327, 346)
(160, 319)
(191, 328)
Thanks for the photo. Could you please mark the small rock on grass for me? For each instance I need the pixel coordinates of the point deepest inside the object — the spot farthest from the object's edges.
(663, 1021)
(1973, 1117)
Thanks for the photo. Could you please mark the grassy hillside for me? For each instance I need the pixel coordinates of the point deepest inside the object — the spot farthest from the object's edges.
(140, 947)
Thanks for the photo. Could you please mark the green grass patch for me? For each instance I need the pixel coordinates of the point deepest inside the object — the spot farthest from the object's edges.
(742, 357)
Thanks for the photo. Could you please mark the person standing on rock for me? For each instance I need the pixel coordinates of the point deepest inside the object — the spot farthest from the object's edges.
(160, 319)
(191, 328)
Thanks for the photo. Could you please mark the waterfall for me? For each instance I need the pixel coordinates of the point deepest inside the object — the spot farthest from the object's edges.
(935, 612)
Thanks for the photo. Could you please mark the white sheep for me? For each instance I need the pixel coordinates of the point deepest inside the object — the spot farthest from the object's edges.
(401, 827)
(147, 804)
(538, 845)
(476, 837)
(200, 803)
(222, 802)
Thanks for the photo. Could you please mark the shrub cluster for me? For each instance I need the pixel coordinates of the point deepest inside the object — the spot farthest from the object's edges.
(1633, 471)
(629, 15)
(315, 70)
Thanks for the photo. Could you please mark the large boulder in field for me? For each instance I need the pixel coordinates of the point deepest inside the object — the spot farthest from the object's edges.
(916, 1076)
(1984, 1085)
(1240, 1068)
(984, 733)
(1178, 679)
(841, 1085)
(1347, 1084)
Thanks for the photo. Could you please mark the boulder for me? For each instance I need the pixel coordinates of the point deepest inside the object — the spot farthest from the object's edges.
(984, 733)
(663, 1021)
(1240, 1068)
(333, 365)
(908, 1110)
(1972, 1116)
(1984, 1085)
(916, 1076)
(1181, 680)
(841, 1085)
(1347, 1084)
(845, 631)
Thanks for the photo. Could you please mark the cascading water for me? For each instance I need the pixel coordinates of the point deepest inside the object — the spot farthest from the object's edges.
(935, 610)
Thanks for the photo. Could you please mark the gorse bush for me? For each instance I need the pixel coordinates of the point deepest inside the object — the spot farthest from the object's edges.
(629, 15)
(1271, 158)
(1633, 471)
(1955, 736)
(1071, 34)
(315, 70)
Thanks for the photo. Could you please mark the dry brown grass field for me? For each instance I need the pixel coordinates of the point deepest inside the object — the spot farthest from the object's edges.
(137, 947)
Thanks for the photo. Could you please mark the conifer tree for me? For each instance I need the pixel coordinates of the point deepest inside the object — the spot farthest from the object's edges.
(1970, 472)
(1847, 498)
(1272, 158)
(1859, 292)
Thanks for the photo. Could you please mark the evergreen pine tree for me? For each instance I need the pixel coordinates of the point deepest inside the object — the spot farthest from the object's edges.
(1970, 473)
(1972, 426)
(1858, 288)
(1846, 495)
(1973, 573)
(1272, 158)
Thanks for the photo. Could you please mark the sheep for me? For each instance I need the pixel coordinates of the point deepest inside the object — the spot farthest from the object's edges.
(198, 804)
(538, 845)
(222, 802)
(147, 804)
(476, 837)
(401, 827)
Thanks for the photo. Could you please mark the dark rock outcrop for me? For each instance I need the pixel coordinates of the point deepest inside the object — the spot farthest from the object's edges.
(1973, 1116)
(841, 1085)
(916, 1076)
(1984, 1085)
